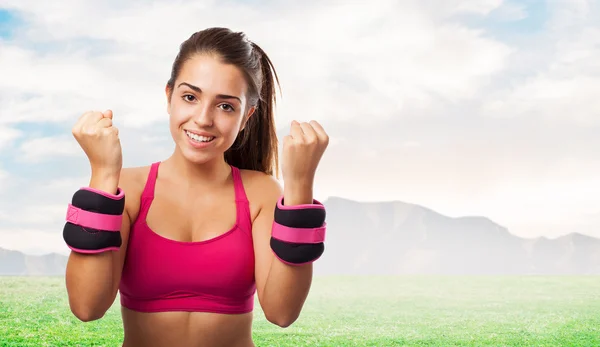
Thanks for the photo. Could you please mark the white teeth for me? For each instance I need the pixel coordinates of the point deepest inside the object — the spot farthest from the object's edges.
(198, 138)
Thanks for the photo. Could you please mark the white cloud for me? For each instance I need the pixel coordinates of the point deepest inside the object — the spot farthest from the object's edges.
(431, 111)
(563, 87)
(569, 16)
(37, 215)
(379, 71)
(61, 185)
(46, 193)
(482, 7)
(365, 62)
(57, 87)
(46, 148)
(510, 11)
(8, 136)
(4, 180)
(411, 144)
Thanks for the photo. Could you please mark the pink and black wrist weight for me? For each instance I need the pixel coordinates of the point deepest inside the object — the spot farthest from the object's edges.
(93, 221)
(298, 232)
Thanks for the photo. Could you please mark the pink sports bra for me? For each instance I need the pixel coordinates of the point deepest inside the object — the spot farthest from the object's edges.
(216, 275)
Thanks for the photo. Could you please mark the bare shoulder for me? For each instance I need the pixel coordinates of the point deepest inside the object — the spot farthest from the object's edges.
(132, 181)
(261, 189)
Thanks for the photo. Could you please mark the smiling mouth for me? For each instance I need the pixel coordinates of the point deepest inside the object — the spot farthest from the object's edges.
(198, 138)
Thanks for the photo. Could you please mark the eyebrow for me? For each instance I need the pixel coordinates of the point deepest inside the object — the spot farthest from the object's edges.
(198, 90)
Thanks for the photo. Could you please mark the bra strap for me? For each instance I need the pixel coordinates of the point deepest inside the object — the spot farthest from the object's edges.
(148, 192)
(240, 193)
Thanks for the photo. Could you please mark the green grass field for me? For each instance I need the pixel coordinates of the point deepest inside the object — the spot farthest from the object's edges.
(355, 311)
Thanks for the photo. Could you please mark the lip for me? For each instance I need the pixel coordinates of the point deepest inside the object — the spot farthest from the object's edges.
(200, 133)
(200, 145)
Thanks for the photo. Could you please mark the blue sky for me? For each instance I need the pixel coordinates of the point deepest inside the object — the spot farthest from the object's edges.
(524, 18)
(467, 107)
(7, 20)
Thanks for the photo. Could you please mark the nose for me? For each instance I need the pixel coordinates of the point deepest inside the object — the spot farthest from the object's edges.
(203, 116)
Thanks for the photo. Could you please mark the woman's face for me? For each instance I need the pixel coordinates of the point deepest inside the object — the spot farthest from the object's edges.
(207, 108)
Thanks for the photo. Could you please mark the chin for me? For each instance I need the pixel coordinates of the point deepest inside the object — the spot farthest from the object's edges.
(197, 158)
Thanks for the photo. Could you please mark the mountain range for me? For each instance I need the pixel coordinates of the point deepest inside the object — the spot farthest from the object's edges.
(382, 238)
(402, 238)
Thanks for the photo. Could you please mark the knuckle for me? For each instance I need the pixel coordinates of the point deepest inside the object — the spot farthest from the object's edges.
(84, 115)
(89, 131)
(309, 140)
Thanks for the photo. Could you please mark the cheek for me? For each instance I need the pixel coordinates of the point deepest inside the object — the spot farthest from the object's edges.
(177, 115)
(176, 121)
(229, 127)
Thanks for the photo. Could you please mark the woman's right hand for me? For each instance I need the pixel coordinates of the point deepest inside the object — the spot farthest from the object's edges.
(99, 139)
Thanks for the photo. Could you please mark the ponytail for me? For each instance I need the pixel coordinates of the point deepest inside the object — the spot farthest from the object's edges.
(256, 147)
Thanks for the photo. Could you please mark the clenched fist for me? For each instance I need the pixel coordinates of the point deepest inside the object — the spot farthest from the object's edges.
(302, 151)
(99, 139)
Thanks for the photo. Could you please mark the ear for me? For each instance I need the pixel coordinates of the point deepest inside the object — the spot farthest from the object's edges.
(167, 94)
(247, 117)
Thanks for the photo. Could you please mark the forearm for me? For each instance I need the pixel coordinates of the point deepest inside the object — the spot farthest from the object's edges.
(89, 276)
(287, 286)
(286, 290)
(89, 281)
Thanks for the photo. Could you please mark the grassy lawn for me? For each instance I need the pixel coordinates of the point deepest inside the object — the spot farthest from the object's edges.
(355, 311)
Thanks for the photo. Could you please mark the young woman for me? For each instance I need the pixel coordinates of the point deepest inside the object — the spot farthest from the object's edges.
(188, 241)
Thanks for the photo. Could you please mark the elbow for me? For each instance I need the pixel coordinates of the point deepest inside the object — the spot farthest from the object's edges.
(86, 313)
(281, 320)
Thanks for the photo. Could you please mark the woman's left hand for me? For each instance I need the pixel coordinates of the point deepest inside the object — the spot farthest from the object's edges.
(302, 151)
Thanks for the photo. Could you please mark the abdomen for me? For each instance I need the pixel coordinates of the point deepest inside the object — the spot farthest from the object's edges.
(168, 329)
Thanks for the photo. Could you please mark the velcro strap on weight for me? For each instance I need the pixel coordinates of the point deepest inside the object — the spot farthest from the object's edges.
(93, 220)
(298, 235)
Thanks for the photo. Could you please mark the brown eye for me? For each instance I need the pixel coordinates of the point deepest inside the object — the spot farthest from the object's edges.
(188, 96)
(227, 107)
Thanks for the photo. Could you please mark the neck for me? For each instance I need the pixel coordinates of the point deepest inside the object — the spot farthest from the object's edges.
(197, 175)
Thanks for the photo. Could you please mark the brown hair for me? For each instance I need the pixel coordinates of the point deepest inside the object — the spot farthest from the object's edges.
(255, 147)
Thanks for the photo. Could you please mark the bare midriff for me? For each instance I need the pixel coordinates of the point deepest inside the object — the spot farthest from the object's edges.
(189, 329)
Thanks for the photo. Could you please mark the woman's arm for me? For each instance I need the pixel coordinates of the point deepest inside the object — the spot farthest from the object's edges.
(289, 238)
(282, 288)
(92, 280)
